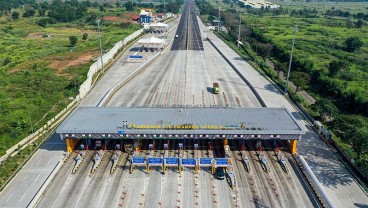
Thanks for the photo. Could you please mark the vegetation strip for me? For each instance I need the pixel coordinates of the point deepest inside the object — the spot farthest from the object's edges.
(323, 38)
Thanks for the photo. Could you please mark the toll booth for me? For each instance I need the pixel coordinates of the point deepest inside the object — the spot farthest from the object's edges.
(205, 162)
(154, 161)
(219, 162)
(170, 162)
(188, 163)
(137, 161)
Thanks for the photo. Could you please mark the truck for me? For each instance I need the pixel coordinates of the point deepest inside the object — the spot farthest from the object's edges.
(324, 133)
(216, 88)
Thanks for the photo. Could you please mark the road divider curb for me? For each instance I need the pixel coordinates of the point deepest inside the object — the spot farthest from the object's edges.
(115, 163)
(96, 165)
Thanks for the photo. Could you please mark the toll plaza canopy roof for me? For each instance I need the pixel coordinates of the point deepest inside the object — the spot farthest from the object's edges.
(159, 25)
(151, 41)
(210, 123)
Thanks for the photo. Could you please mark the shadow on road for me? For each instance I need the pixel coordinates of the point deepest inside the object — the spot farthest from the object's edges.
(323, 162)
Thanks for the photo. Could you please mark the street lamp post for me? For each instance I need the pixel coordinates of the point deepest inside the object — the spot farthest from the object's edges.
(239, 29)
(291, 58)
(30, 120)
(100, 36)
(218, 23)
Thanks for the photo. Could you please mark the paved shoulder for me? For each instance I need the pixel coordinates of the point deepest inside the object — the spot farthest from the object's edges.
(22, 189)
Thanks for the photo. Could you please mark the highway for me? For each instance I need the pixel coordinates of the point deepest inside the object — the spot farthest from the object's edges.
(181, 76)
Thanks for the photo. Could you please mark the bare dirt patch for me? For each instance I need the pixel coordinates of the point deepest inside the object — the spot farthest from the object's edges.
(60, 65)
(38, 35)
(112, 18)
(15, 70)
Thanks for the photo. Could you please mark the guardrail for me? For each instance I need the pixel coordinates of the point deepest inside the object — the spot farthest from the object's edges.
(343, 156)
(313, 181)
(260, 100)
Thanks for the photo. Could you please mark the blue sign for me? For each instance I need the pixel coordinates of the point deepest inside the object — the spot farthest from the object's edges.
(171, 160)
(138, 160)
(135, 56)
(188, 162)
(205, 161)
(121, 132)
(155, 160)
(221, 161)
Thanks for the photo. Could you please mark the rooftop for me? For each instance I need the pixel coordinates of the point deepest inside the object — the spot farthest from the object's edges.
(181, 121)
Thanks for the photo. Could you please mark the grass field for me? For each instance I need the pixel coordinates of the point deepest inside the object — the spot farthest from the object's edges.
(40, 72)
(352, 7)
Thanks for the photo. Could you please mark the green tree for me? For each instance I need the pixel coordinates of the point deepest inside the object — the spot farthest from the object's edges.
(349, 22)
(359, 23)
(42, 22)
(359, 140)
(129, 6)
(125, 25)
(336, 66)
(300, 79)
(15, 15)
(353, 43)
(41, 12)
(280, 67)
(325, 108)
(102, 8)
(29, 12)
(85, 36)
(73, 40)
(92, 17)
(7, 61)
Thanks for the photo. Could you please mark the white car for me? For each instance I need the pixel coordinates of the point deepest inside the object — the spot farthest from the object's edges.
(176, 36)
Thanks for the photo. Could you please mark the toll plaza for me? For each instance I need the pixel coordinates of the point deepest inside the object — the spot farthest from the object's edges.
(174, 129)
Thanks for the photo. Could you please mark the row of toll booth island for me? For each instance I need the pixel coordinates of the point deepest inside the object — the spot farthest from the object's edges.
(123, 145)
(166, 161)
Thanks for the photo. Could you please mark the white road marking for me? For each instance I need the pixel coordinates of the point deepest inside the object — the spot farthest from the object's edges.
(9, 197)
(22, 197)
(37, 177)
(38, 161)
(24, 178)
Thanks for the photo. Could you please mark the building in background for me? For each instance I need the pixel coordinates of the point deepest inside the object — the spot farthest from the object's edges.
(258, 4)
(145, 16)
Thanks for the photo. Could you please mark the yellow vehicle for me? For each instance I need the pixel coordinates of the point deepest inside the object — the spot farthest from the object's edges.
(216, 88)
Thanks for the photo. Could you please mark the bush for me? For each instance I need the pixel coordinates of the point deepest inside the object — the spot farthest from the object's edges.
(15, 15)
(73, 40)
(29, 12)
(353, 43)
(42, 22)
(85, 36)
(7, 61)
